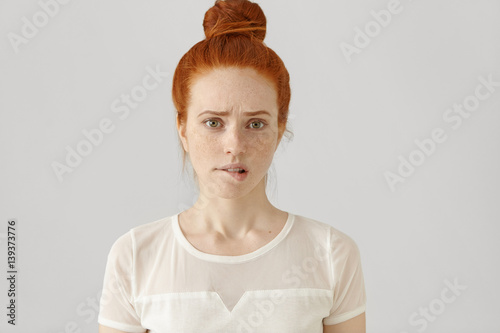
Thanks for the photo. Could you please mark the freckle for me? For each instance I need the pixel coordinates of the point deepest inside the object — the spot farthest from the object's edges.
(269, 231)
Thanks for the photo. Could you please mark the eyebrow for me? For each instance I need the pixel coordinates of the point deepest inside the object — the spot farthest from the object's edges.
(225, 113)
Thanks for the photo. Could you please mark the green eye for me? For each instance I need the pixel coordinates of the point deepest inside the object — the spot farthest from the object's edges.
(211, 121)
(257, 122)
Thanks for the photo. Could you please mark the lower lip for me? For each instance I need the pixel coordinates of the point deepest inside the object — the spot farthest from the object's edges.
(237, 175)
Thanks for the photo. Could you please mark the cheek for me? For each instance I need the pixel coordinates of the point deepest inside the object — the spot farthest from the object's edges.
(264, 145)
(203, 145)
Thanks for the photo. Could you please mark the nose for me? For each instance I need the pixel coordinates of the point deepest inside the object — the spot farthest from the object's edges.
(235, 141)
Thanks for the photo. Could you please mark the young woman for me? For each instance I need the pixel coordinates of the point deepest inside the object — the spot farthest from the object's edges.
(233, 262)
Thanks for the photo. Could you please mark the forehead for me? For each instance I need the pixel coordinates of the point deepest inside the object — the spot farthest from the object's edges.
(232, 88)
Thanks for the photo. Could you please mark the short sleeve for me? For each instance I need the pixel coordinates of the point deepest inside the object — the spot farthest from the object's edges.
(116, 308)
(349, 296)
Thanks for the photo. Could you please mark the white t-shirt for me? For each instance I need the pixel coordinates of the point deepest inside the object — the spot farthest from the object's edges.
(309, 274)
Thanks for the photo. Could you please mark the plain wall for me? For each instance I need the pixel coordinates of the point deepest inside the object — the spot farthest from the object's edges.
(386, 106)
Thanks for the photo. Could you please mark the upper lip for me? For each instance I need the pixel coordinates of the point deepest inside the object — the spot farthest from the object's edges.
(234, 166)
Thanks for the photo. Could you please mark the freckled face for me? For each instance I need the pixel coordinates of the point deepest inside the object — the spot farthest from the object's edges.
(213, 141)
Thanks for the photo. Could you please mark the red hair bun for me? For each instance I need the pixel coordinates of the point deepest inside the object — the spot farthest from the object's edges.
(235, 17)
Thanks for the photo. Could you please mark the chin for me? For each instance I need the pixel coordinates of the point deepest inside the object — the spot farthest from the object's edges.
(232, 193)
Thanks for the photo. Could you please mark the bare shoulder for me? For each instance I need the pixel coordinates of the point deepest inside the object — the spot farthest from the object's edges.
(353, 325)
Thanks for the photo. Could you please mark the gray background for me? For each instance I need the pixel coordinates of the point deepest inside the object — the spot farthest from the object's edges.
(351, 121)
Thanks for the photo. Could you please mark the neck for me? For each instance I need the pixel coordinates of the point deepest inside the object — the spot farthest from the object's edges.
(233, 218)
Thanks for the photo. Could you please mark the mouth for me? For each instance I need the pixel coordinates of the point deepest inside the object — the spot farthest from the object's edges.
(236, 173)
(235, 170)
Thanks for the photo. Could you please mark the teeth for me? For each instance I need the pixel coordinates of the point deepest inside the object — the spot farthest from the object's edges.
(236, 170)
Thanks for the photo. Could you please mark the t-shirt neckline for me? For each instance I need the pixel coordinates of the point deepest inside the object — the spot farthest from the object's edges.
(231, 259)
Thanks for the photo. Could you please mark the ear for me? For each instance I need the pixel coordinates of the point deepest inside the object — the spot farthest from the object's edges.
(281, 131)
(181, 129)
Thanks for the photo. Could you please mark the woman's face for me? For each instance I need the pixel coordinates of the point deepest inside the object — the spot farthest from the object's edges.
(215, 140)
